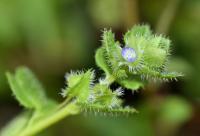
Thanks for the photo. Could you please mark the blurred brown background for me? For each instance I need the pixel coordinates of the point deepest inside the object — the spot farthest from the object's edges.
(54, 36)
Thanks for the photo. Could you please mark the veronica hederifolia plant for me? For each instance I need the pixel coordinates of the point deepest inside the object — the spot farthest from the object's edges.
(142, 57)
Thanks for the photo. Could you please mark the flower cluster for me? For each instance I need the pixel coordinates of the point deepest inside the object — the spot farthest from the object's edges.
(144, 56)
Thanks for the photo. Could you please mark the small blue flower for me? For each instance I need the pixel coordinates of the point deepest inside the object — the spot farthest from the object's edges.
(129, 54)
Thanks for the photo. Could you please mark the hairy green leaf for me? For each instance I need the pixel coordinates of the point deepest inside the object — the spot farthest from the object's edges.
(79, 85)
(99, 109)
(132, 84)
(27, 89)
(101, 61)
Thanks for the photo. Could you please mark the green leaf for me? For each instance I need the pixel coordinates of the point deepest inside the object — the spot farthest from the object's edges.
(16, 125)
(132, 84)
(136, 32)
(27, 89)
(170, 75)
(141, 30)
(105, 101)
(101, 61)
(79, 85)
(112, 49)
(103, 95)
(99, 109)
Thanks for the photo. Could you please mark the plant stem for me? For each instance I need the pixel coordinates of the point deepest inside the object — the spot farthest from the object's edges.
(70, 109)
(110, 79)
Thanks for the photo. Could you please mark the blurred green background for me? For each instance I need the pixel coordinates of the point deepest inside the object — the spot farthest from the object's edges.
(54, 36)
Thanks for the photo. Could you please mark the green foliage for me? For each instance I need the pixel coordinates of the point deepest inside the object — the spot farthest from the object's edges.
(91, 97)
(152, 53)
(131, 84)
(27, 89)
(40, 111)
(79, 85)
(82, 93)
(101, 61)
